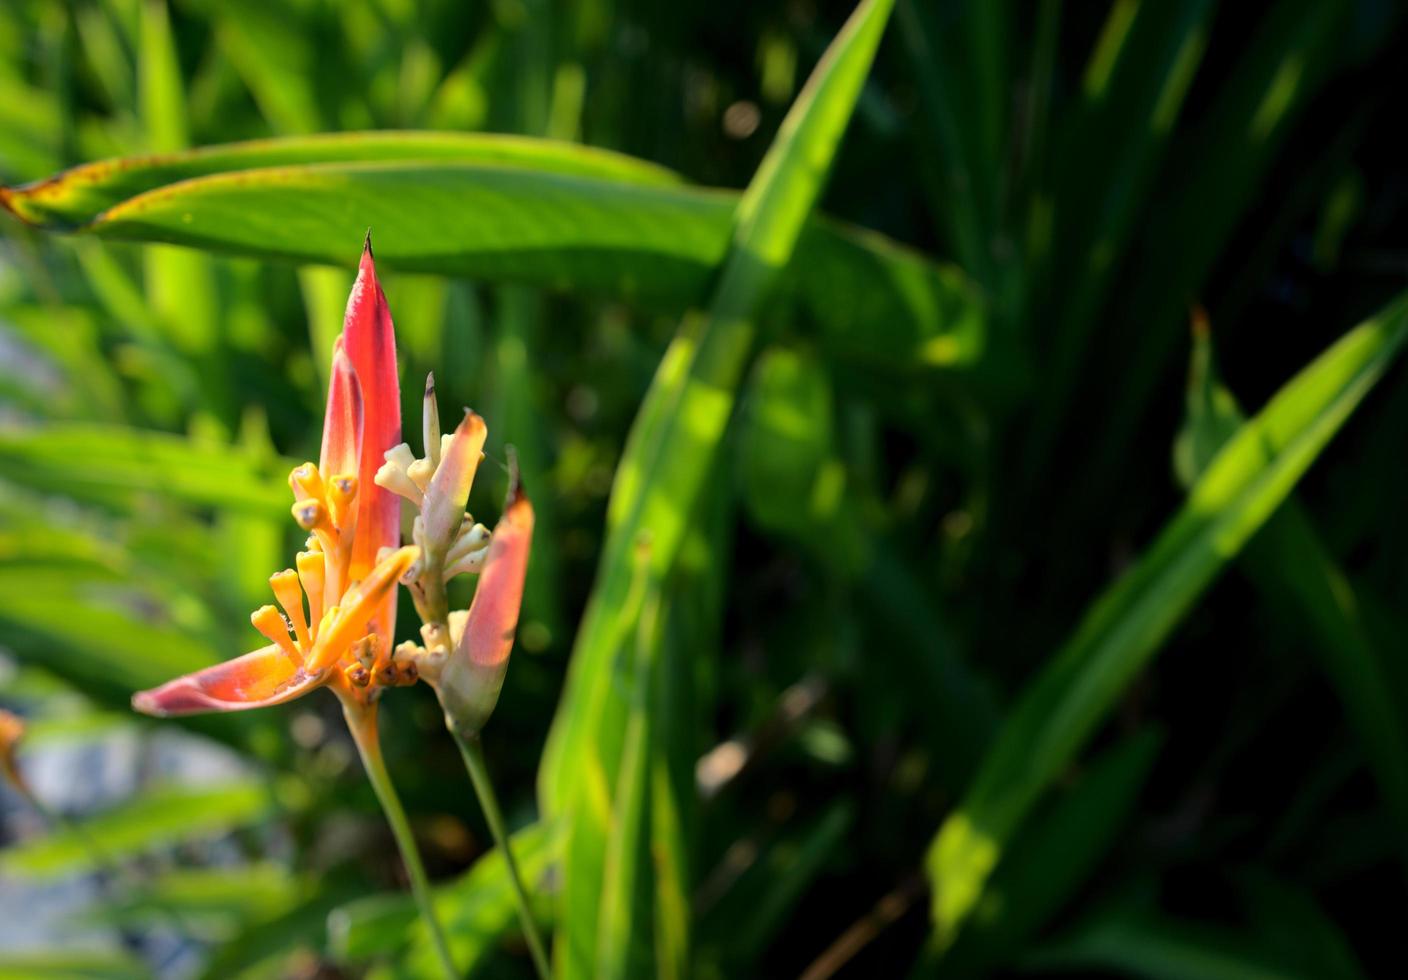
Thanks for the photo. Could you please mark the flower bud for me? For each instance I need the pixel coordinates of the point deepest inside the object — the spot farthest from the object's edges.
(473, 675)
(448, 492)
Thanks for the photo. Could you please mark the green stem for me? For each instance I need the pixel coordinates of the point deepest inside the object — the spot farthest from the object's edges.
(363, 727)
(473, 755)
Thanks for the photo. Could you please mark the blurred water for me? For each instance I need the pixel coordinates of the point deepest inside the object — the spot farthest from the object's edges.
(83, 776)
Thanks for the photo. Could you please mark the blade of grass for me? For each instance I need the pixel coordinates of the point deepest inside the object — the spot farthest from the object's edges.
(668, 458)
(1054, 857)
(480, 908)
(1289, 562)
(1132, 94)
(1064, 704)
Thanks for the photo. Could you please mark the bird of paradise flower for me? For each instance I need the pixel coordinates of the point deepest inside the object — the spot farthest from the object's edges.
(348, 573)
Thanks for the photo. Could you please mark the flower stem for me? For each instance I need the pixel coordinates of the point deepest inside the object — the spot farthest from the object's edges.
(473, 755)
(363, 727)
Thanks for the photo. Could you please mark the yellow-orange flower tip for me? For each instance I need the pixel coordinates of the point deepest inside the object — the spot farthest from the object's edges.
(342, 500)
(274, 628)
(11, 732)
(311, 515)
(289, 594)
(306, 482)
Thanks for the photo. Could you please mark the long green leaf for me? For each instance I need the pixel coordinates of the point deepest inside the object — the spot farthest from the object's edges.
(510, 209)
(668, 458)
(80, 195)
(1062, 707)
(1290, 563)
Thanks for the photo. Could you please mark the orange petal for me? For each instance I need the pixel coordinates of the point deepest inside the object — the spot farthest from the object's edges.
(449, 489)
(256, 680)
(370, 342)
(344, 424)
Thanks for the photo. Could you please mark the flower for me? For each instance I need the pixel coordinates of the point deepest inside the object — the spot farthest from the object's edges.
(348, 573)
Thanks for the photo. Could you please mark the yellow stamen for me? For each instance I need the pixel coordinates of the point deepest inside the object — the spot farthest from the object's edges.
(359, 605)
(342, 499)
(311, 515)
(310, 573)
(306, 482)
(270, 622)
(290, 596)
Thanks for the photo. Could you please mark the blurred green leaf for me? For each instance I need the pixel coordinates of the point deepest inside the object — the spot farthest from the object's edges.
(1064, 704)
(1145, 945)
(158, 818)
(790, 482)
(1054, 856)
(479, 910)
(667, 459)
(70, 965)
(114, 466)
(209, 902)
(738, 928)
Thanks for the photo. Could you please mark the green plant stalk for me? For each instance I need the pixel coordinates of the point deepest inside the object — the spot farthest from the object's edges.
(363, 730)
(473, 754)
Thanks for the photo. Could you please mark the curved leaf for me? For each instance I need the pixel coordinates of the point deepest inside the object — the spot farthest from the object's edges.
(1062, 707)
(509, 209)
(76, 196)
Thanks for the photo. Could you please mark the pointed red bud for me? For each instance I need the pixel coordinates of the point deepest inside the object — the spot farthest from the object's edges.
(471, 680)
(370, 341)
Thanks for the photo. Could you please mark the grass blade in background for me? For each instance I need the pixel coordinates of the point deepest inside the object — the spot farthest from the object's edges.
(1291, 565)
(1055, 855)
(668, 458)
(1066, 702)
(1132, 95)
(479, 909)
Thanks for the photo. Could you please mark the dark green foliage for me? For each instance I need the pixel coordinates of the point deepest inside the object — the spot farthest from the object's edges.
(868, 627)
